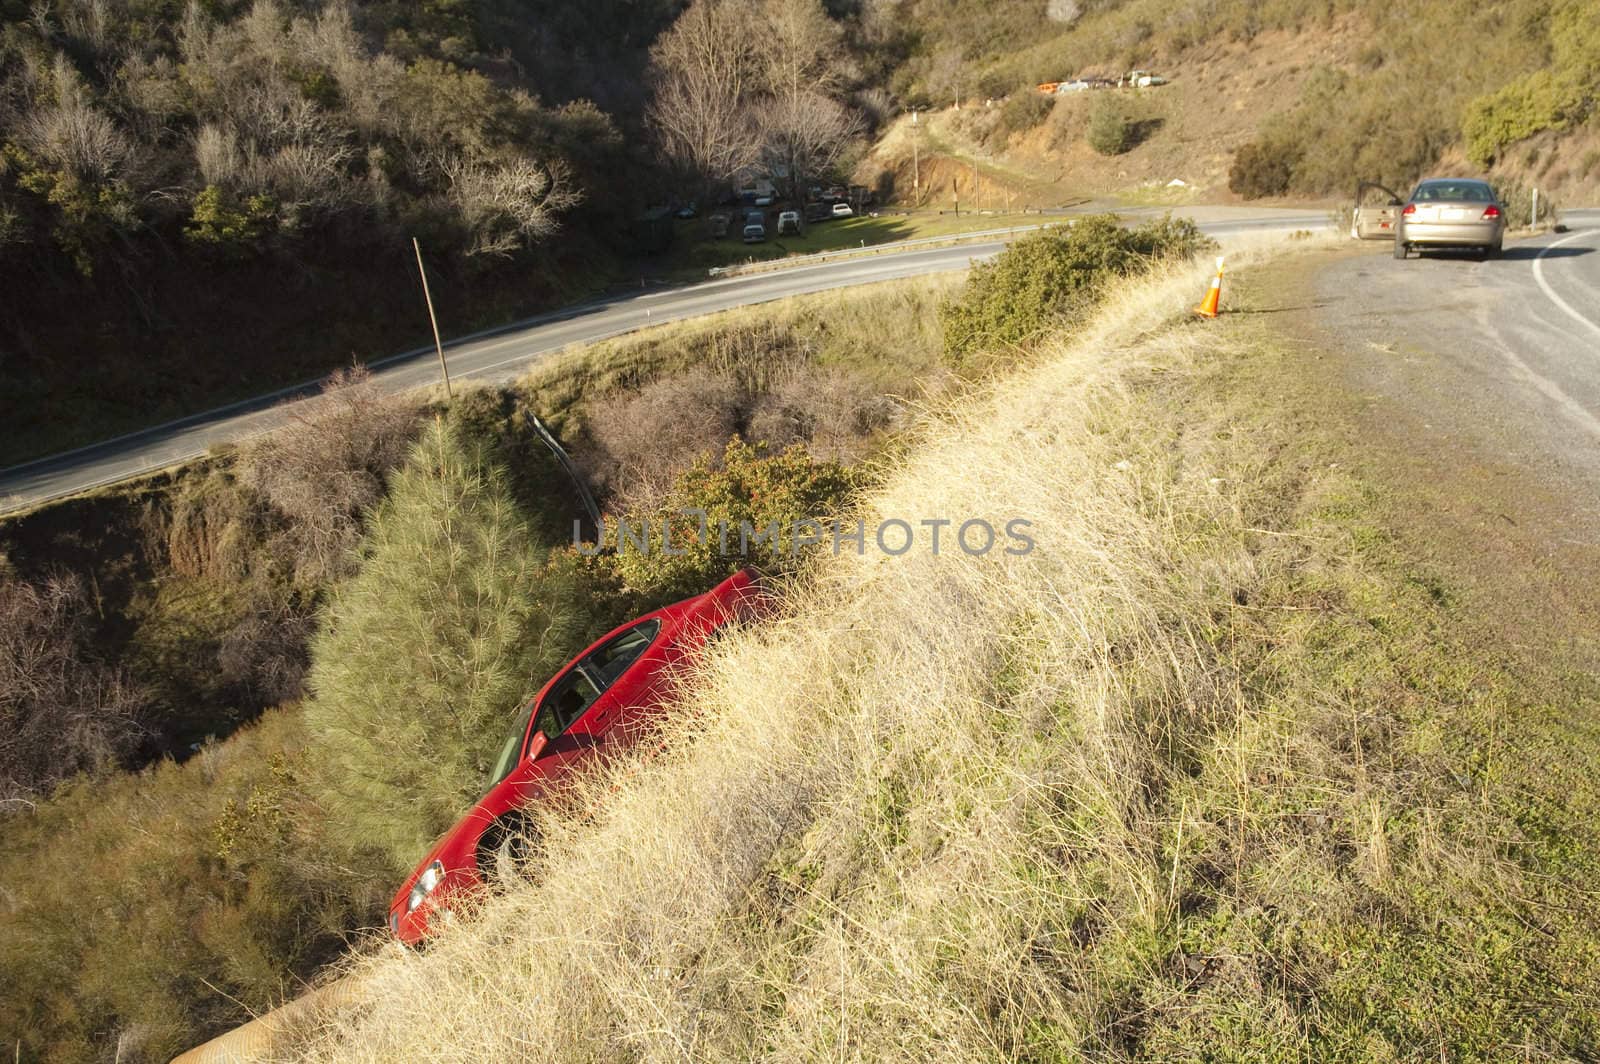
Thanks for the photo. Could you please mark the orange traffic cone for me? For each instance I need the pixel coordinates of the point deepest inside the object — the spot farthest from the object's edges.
(1208, 307)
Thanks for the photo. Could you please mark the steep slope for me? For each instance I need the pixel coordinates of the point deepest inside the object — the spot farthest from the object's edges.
(1183, 779)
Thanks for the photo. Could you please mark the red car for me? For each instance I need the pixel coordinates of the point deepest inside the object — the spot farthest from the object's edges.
(601, 701)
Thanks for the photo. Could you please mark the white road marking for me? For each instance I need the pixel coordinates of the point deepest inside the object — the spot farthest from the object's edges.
(1538, 275)
(1552, 391)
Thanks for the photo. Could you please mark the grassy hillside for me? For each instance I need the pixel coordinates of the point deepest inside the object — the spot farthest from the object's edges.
(1334, 92)
(1210, 773)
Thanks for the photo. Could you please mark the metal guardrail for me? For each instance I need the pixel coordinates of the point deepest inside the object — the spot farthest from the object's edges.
(571, 468)
(894, 245)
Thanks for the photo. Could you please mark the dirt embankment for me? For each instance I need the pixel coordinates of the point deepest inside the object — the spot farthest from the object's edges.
(1216, 100)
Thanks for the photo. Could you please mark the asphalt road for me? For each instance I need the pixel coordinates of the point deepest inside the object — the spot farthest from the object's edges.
(1499, 358)
(506, 353)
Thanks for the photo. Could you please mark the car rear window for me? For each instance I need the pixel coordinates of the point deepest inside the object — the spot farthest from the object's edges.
(1455, 191)
(613, 659)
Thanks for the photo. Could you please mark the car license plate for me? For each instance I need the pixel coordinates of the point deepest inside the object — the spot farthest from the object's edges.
(1453, 215)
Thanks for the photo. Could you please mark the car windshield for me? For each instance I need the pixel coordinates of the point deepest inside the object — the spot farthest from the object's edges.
(513, 746)
(1454, 191)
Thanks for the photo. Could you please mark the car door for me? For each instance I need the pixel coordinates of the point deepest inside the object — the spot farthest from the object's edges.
(572, 718)
(580, 713)
(1377, 210)
(635, 667)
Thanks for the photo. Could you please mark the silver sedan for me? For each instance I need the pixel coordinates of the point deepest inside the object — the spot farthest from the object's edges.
(1451, 213)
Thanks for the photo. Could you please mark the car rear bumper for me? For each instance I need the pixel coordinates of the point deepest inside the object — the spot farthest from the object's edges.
(1451, 234)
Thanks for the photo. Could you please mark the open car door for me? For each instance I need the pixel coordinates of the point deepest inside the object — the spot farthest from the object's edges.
(1377, 210)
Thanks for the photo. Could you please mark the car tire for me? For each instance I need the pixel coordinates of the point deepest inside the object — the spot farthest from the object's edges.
(1400, 248)
(1493, 250)
(506, 850)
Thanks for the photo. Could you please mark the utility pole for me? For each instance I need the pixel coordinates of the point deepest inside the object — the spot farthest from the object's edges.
(438, 345)
(977, 205)
(916, 168)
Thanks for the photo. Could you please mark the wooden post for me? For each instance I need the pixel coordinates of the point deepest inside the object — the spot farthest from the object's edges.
(438, 345)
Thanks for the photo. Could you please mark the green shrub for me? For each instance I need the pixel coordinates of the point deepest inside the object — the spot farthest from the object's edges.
(217, 220)
(1039, 283)
(749, 491)
(1532, 104)
(425, 653)
(1263, 168)
(147, 912)
(1024, 108)
(1111, 129)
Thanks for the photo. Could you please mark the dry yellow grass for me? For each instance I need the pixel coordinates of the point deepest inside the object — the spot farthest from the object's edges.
(843, 855)
(1004, 808)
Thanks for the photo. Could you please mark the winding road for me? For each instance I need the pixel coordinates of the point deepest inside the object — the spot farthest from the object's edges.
(1498, 357)
(505, 353)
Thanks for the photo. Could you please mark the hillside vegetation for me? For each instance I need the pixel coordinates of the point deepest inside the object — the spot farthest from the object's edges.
(253, 606)
(207, 201)
(1267, 99)
(1203, 775)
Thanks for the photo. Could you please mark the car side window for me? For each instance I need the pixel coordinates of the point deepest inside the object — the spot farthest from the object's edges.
(609, 662)
(566, 701)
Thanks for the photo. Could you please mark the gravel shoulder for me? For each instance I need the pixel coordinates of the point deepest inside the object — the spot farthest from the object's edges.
(1474, 400)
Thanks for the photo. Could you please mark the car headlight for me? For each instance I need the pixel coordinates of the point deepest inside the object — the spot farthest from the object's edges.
(426, 883)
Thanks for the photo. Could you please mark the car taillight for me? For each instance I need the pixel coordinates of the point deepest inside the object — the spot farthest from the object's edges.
(1411, 208)
(1491, 211)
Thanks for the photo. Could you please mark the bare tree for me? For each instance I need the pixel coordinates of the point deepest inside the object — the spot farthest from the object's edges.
(804, 128)
(216, 152)
(705, 72)
(61, 712)
(834, 412)
(806, 133)
(73, 135)
(508, 206)
(639, 441)
(326, 468)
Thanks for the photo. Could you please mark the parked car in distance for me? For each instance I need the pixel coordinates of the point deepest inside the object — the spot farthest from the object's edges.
(842, 210)
(688, 210)
(789, 222)
(603, 701)
(1451, 212)
(755, 227)
(720, 221)
(818, 212)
